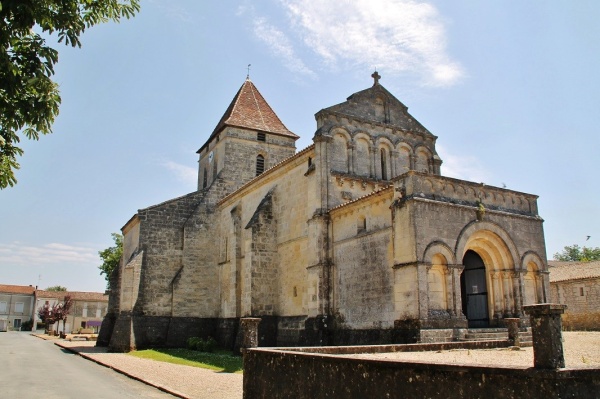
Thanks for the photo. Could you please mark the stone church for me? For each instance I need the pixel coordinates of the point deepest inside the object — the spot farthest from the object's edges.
(356, 239)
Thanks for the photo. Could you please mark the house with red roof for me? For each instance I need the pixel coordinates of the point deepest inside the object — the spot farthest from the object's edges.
(16, 306)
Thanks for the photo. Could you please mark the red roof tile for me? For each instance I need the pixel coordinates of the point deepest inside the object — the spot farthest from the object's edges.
(565, 271)
(75, 295)
(17, 289)
(250, 110)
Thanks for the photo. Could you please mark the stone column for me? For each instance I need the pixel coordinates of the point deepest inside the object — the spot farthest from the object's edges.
(394, 156)
(423, 284)
(507, 289)
(497, 292)
(350, 158)
(539, 287)
(249, 327)
(449, 289)
(513, 331)
(456, 272)
(546, 328)
(517, 293)
(373, 161)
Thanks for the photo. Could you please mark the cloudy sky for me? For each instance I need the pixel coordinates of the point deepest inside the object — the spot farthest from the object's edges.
(510, 88)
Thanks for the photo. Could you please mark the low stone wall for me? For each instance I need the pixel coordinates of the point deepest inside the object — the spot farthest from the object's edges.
(286, 374)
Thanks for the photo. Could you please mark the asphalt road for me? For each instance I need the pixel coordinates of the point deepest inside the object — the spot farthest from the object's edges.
(33, 368)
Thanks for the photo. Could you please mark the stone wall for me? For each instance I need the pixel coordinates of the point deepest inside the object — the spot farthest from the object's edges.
(285, 374)
(582, 298)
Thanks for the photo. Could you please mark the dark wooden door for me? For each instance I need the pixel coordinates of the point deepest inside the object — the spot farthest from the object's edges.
(474, 290)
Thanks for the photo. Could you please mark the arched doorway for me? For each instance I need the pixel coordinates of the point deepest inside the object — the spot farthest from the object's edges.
(474, 291)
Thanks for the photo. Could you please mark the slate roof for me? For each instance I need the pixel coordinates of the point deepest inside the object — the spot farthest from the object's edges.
(250, 110)
(17, 289)
(565, 271)
(75, 295)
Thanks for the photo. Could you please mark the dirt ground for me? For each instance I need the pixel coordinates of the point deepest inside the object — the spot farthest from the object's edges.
(581, 350)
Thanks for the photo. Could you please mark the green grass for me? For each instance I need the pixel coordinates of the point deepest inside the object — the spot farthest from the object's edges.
(221, 360)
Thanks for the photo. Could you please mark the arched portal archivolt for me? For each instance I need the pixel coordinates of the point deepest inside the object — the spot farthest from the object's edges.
(502, 266)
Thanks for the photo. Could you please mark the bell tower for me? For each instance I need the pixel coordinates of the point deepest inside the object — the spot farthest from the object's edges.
(249, 139)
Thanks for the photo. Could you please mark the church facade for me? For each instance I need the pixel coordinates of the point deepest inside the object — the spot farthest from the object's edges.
(356, 239)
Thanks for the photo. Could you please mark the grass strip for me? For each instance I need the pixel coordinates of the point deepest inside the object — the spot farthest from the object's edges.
(222, 361)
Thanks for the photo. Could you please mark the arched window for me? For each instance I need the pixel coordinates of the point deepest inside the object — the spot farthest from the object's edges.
(383, 164)
(260, 164)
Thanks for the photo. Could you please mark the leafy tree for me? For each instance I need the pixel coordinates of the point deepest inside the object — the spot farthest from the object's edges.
(56, 288)
(574, 253)
(111, 257)
(29, 99)
(62, 310)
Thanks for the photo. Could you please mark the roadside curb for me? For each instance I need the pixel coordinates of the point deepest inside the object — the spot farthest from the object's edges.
(125, 373)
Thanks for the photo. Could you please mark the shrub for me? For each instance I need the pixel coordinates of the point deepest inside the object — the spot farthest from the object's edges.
(198, 344)
(27, 325)
(192, 342)
(210, 345)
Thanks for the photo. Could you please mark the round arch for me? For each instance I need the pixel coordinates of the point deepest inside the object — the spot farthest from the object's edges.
(490, 239)
(438, 247)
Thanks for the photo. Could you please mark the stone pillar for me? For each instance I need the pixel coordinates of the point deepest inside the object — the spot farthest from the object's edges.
(423, 287)
(456, 272)
(508, 299)
(513, 331)
(394, 155)
(449, 289)
(249, 329)
(517, 293)
(546, 328)
(350, 158)
(497, 294)
(539, 288)
(373, 161)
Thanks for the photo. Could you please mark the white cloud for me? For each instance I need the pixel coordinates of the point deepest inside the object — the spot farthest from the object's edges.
(184, 174)
(398, 36)
(462, 167)
(20, 254)
(281, 46)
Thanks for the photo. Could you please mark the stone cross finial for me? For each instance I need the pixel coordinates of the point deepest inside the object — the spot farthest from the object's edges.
(376, 78)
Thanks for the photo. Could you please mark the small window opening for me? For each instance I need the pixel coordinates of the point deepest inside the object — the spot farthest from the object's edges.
(361, 225)
(309, 162)
(205, 179)
(260, 164)
(214, 169)
(581, 292)
(383, 165)
(261, 136)
(295, 292)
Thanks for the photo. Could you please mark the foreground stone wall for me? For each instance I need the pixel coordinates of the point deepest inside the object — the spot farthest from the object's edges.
(285, 374)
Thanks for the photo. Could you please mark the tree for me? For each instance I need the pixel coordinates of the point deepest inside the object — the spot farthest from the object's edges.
(29, 99)
(576, 254)
(56, 288)
(55, 313)
(111, 257)
(62, 310)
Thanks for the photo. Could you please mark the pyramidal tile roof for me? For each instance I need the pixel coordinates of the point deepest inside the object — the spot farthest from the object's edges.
(250, 110)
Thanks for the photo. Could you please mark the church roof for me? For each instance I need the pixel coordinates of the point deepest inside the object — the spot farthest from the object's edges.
(377, 104)
(250, 110)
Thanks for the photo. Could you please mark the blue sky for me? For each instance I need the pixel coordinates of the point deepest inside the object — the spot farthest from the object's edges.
(510, 88)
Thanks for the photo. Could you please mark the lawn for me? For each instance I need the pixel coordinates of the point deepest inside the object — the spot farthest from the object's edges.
(222, 361)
